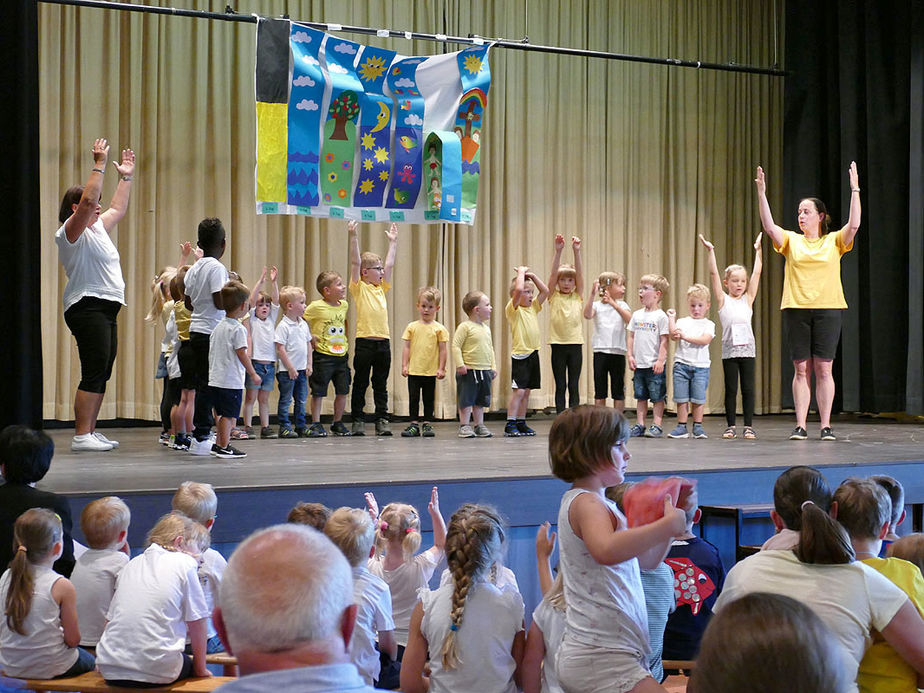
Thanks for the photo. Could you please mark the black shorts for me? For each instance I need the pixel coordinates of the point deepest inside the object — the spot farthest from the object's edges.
(227, 402)
(524, 373)
(92, 321)
(326, 368)
(609, 375)
(474, 389)
(187, 362)
(812, 332)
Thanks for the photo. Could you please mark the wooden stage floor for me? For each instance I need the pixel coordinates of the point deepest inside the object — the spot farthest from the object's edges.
(141, 465)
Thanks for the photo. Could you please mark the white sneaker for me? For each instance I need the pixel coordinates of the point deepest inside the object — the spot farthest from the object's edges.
(87, 442)
(99, 436)
(200, 447)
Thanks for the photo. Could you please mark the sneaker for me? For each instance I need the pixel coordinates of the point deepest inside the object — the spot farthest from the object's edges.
(383, 428)
(239, 434)
(699, 432)
(637, 431)
(654, 431)
(103, 439)
(287, 433)
(481, 431)
(412, 431)
(338, 429)
(301, 431)
(426, 430)
(511, 430)
(730, 433)
(315, 430)
(798, 433)
(828, 434)
(181, 442)
(524, 429)
(466, 431)
(680, 431)
(200, 447)
(165, 439)
(251, 434)
(87, 442)
(268, 433)
(226, 453)
(358, 428)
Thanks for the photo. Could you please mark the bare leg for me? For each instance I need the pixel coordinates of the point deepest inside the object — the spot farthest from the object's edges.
(249, 397)
(600, 402)
(478, 415)
(339, 406)
(86, 411)
(641, 411)
(698, 413)
(619, 405)
(824, 389)
(225, 424)
(263, 400)
(316, 409)
(658, 414)
(683, 411)
(802, 389)
(465, 415)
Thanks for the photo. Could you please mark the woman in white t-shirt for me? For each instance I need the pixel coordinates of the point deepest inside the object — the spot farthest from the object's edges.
(95, 290)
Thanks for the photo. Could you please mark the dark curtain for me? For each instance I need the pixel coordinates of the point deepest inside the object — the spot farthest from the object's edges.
(20, 347)
(854, 93)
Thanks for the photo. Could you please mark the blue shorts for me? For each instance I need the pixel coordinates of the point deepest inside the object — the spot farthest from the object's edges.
(649, 385)
(266, 371)
(690, 383)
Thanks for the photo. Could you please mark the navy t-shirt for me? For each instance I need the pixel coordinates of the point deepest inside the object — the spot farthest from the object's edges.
(698, 579)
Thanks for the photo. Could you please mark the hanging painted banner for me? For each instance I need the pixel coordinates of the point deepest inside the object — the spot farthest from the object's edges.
(357, 132)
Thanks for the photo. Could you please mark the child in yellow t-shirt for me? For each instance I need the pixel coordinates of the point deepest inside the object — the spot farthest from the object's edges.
(522, 313)
(423, 360)
(370, 280)
(327, 319)
(473, 353)
(566, 329)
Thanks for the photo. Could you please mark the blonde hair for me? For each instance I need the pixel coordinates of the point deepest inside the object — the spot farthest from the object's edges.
(196, 500)
(103, 520)
(398, 521)
(556, 594)
(160, 292)
(288, 294)
(352, 531)
(581, 440)
(566, 270)
(312, 514)
(471, 300)
(172, 525)
(35, 534)
(368, 260)
(659, 282)
(326, 279)
(607, 278)
(474, 542)
(430, 293)
(699, 291)
(734, 268)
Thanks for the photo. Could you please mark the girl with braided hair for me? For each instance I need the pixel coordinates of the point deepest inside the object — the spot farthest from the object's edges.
(472, 629)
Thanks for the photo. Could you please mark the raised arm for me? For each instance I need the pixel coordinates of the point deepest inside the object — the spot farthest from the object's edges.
(256, 288)
(439, 524)
(77, 223)
(589, 309)
(545, 544)
(518, 283)
(754, 281)
(766, 217)
(392, 235)
(541, 288)
(355, 260)
(118, 206)
(558, 245)
(273, 273)
(717, 289)
(578, 266)
(853, 222)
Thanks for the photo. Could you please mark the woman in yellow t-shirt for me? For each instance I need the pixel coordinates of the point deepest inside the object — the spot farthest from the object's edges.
(813, 298)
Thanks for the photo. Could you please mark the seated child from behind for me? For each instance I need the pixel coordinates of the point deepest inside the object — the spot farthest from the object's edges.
(896, 494)
(312, 514)
(792, 488)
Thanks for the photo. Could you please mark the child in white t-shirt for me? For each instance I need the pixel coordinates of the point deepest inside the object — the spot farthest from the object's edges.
(264, 310)
(646, 347)
(105, 527)
(611, 314)
(693, 335)
(293, 346)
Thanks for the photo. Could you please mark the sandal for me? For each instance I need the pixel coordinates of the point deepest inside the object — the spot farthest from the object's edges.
(239, 434)
(749, 433)
(730, 433)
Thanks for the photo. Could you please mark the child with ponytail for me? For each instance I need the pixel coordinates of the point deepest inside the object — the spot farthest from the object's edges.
(472, 630)
(39, 633)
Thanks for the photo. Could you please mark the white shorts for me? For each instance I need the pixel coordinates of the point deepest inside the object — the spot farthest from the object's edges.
(591, 668)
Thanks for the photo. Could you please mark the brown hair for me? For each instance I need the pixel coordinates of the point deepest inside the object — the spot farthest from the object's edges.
(311, 514)
(863, 507)
(795, 486)
(607, 278)
(822, 540)
(103, 520)
(910, 548)
(398, 520)
(71, 197)
(233, 295)
(352, 531)
(430, 293)
(581, 440)
(513, 284)
(471, 300)
(566, 270)
(896, 493)
(326, 279)
(822, 210)
(35, 534)
(474, 542)
(368, 260)
(178, 283)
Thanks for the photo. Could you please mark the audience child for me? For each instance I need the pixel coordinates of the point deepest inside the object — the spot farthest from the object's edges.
(469, 632)
(352, 531)
(739, 349)
(326, 320)
(646, 347)
(39, 632)
(25, 456)
(198, 502)
(228, 364)
(864, 510)
(473, 354)
(693, 335)
(370, 280)
(896, 495)
(792, 488)
(522, 311)
(314, 515)
(293, 345)
(605, 646)
(182, 365)
(202, 289)
(607, 308)
(545, 633)
(423, 361)
(768, 643)
(264, 311)
(698, 579)
(910, 548)
(566, 331)
(162, 307)
(104, 522)
(158, 601)
(397, 538)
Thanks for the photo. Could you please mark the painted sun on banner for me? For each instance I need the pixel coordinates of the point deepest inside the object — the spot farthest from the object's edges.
(356, 132)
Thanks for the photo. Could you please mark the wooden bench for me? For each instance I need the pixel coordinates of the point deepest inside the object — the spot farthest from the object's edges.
(226, 661)
(678, 664)
(92, 682)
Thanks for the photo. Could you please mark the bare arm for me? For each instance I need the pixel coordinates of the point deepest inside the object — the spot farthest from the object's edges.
(273, 274)
(415, 656)
(256, 288)
(558, 245)
(388, 644)
(286, 361)
(905, 633)
(355, 260)
(578, 266)
(624, 313)
(443, 356)
(77, 223)
(197, 639)
(853, 222)
(717, 289)
(439, 524)
(545, 544)
(309, 369)
(247, 364)
(630, 353)
(540, 287)
(754, 281)
(662, 356)
(531, 668)
(766, 216)
(518, 283)
(65, 595)
(405, 357)
(589, 309)
(118, 206)
(392, 234)
(672, 330)
(516, 651)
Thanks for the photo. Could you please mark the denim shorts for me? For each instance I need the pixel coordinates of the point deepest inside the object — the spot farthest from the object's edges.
(649, 385)
(690, 383)
(266, 371)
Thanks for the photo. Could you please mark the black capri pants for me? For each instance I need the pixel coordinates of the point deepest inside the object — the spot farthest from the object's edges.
(92, 321)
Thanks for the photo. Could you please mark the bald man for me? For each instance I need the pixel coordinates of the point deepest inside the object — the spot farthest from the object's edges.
(285, 610)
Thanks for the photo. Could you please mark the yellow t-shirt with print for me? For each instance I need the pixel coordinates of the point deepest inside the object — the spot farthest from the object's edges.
(566, 313)
(812, 276)
(328, 326)
(371, 309)
(882, 670)
(524, 326)
(425, 339)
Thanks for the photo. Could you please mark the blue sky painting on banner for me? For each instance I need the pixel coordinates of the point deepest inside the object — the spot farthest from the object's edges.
(354, 121)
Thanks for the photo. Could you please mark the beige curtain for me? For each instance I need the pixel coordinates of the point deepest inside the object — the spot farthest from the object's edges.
(635, 159)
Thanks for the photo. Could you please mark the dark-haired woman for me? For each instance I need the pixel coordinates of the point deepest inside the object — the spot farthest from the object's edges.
(813, 297)
(95, 290)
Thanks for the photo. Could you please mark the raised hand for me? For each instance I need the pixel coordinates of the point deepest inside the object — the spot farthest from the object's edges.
(352, 226)
(392, 233)
(708, 244)
(372, 505)
(761, 182)
(273, 273)
(853, 176)
(127, 167)
(434, 505)
(757, 241)
(100, 151)
(559, 242)
(575, 243)
(545, 540)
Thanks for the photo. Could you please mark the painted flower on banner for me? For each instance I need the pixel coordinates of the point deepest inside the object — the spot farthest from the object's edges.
(341, 193)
